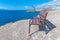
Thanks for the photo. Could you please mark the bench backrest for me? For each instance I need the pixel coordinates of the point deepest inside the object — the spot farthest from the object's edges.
(43, 15)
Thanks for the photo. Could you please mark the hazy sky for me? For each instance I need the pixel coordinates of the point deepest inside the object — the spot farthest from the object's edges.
(20, 4)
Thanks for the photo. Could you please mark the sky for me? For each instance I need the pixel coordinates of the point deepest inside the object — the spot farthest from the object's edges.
(20, 4)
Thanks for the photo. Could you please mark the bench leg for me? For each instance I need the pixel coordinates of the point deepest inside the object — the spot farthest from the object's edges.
(29, 28)
(29, 36)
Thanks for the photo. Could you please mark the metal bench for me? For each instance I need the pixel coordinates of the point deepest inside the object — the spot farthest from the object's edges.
(38, 20)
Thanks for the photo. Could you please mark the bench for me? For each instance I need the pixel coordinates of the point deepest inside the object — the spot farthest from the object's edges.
(39, 20)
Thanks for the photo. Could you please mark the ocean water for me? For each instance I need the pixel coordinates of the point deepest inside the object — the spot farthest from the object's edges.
(7, 16)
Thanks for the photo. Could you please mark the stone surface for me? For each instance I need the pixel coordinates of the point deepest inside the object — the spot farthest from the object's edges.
(19, 30)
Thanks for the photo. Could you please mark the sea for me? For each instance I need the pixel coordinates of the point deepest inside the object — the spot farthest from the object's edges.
(7, 16)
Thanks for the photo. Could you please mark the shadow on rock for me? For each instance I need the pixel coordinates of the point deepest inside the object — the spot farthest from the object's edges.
(47, 27)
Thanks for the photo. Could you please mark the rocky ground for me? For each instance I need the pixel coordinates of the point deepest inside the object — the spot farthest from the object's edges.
(19, 30)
